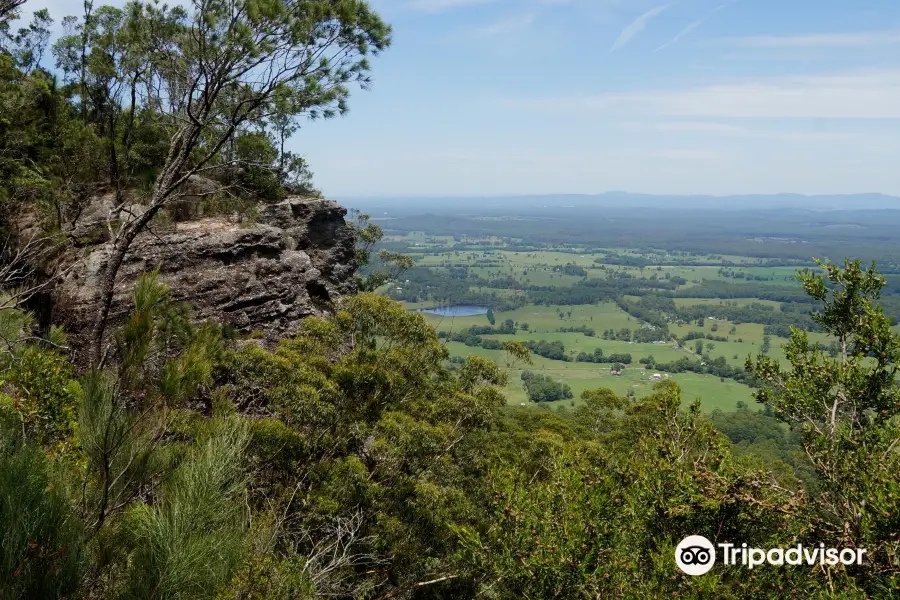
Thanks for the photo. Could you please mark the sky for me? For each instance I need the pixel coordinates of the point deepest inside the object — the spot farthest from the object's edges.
(505, 97)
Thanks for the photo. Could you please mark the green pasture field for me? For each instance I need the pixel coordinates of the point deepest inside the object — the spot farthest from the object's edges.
(682, 302)
(541, 319)
(515, 259)
(668, 257)
(578, 342)
(713, 393)
(502, 292)
(544, 323)
(751, 335)
(536, 268)
(696, 274)
(577, 255)
(553, 259)
(533, 276)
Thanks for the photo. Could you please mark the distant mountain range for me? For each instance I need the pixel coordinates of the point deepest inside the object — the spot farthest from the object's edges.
(456, 204)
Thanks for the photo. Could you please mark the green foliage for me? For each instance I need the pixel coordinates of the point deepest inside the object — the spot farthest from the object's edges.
(109, 118)
(600, 410)
(155, 328)
(847, 410)
(189, 541)
(555, 350)
(44, 394)
(41, 554)
(108, 486)
(381, 426)
(48, 157)
(765, 438)
(37, 376)
(386, 266)
(258, 155)
(355, 461)
(118, 444)
(595, 515)
(541, 388)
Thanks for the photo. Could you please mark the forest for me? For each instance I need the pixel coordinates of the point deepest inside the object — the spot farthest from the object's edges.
(146, 453)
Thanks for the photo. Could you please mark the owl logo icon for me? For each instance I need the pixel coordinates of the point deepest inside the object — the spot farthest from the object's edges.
(695, 555)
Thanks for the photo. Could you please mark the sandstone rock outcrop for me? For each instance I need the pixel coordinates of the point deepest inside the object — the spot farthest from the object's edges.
(294, 260)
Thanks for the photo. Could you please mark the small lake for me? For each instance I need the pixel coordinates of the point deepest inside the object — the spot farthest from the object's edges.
(459, 310)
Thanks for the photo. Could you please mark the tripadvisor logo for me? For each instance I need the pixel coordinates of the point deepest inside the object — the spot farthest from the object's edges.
(696, 555)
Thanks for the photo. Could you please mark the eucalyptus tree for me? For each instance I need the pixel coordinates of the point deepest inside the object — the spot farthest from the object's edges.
(847, 408)
(101, 56)
(9, 7)
(217, 67)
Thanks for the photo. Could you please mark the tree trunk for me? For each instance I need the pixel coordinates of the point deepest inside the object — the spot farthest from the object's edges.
(166, 184)
(108, 284)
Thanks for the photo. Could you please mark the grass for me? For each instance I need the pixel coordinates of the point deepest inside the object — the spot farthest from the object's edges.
(696, 274)
(682, 302)
(713, 393)
(542, 319)
(751, 335)
(536, 268)
(544, 322)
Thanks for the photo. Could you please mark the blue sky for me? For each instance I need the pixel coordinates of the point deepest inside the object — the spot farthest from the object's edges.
(486, 97)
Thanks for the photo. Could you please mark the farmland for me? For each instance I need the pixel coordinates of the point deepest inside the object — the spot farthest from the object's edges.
(517, 285)
(689, 306)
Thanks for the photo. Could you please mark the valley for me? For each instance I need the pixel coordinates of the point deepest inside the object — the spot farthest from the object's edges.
(622, 318)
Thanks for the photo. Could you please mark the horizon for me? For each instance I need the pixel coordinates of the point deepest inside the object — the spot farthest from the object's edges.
(476, 196)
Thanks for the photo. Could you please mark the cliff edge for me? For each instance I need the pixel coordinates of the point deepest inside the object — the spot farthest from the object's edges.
(296, 259)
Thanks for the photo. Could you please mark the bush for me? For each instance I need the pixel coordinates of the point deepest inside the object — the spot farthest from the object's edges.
(40, 553)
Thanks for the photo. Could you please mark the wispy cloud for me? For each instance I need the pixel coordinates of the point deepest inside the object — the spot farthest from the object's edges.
(686, 30)
(441, 5)
(821, 40)
(695, 24)
(636, 26)
(862, 95)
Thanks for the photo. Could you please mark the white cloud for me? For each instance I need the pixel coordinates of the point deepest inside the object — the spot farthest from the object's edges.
(636, 26)
(820, 40)
(867, 95)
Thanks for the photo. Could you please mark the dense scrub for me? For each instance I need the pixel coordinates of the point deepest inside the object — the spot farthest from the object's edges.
(355, 460)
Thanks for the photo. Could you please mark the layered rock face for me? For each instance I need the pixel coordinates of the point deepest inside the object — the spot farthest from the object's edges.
(296, 259)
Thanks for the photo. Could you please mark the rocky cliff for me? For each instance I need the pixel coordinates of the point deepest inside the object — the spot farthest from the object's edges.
(295, 259)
